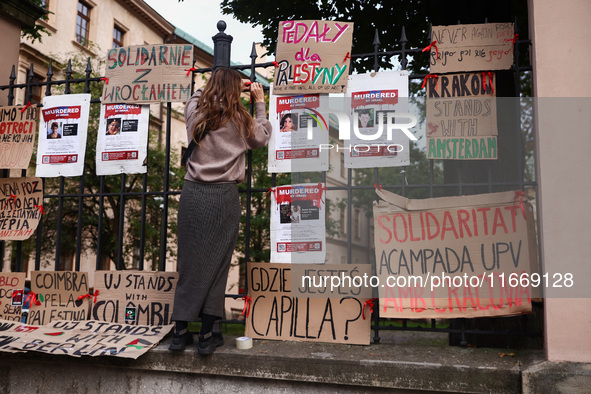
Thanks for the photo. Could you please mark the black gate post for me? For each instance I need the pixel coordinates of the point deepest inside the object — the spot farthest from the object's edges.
(222, 43)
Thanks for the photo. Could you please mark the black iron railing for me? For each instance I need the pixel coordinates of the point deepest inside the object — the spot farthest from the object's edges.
(456, 184)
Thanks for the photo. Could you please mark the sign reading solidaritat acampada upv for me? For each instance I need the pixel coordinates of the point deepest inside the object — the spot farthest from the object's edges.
(454, 256)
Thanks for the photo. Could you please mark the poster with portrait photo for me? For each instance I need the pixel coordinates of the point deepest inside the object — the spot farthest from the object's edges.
(55, 131)
(300, 130)
(365, 117)
(122, 144)
(64, 123)
(298, 224)
(375, 98)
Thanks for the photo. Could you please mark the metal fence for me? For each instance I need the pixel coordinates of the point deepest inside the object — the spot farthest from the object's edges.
(459, 179)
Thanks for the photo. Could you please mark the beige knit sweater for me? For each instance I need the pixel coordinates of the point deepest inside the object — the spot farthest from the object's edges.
(220, 158)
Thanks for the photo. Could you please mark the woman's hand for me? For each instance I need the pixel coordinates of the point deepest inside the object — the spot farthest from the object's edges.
(256, 92)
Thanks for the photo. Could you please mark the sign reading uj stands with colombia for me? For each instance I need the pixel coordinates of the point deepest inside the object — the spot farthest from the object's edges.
(148, 74)
(453, 257)
(313, 56)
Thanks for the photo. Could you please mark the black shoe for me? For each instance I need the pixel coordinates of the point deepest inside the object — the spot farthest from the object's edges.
(179, 341)
(208, 343)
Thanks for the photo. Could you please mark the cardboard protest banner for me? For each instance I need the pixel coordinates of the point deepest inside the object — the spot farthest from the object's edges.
(302, 131)
(122, 141)
(480, 47)
(379, 102)
(60, 296)
(63, 130)
(331, 280)
(455, 256)
(462, 116)
(148, 74)
(313, 56)
(134, 297)
(10, 332)
(88, 338)
(18, 126)
(12, 289)
(21, 207)
(274, 313)
(298, 224)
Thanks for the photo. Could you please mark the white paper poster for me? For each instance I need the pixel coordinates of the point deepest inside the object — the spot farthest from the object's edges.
(62, 135)
(122, 141)
(301, 132)
(375, 100)
(298, 226)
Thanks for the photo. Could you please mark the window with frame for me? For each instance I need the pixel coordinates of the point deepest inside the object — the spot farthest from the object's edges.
(342, 222)
(35, 91)
(66, 261)
(117, 37)
(357, 224)
(82, 23)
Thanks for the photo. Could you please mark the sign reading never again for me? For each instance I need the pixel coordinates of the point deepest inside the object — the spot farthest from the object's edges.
(148, 74)
(313, 56)
(480, 47)
(274, 313)
(133, 297)
(482, 239)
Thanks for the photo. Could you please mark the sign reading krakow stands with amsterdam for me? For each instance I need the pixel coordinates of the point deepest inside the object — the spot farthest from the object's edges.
(455, 257)
(313, 57)
(148, 74)
(462, 117)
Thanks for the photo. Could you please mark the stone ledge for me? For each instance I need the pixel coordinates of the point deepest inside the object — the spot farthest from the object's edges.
(316, 365)
(275, 363)
(557, 377)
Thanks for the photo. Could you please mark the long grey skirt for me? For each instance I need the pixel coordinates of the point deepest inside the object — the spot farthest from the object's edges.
(208, 220)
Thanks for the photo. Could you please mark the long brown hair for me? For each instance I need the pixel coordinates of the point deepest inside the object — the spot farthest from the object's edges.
(220, 104)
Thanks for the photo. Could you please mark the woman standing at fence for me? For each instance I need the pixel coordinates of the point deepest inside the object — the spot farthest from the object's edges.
(209, 209)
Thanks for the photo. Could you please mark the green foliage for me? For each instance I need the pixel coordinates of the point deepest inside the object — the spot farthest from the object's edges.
(36, 32)
(367, 16)
(417, 173)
